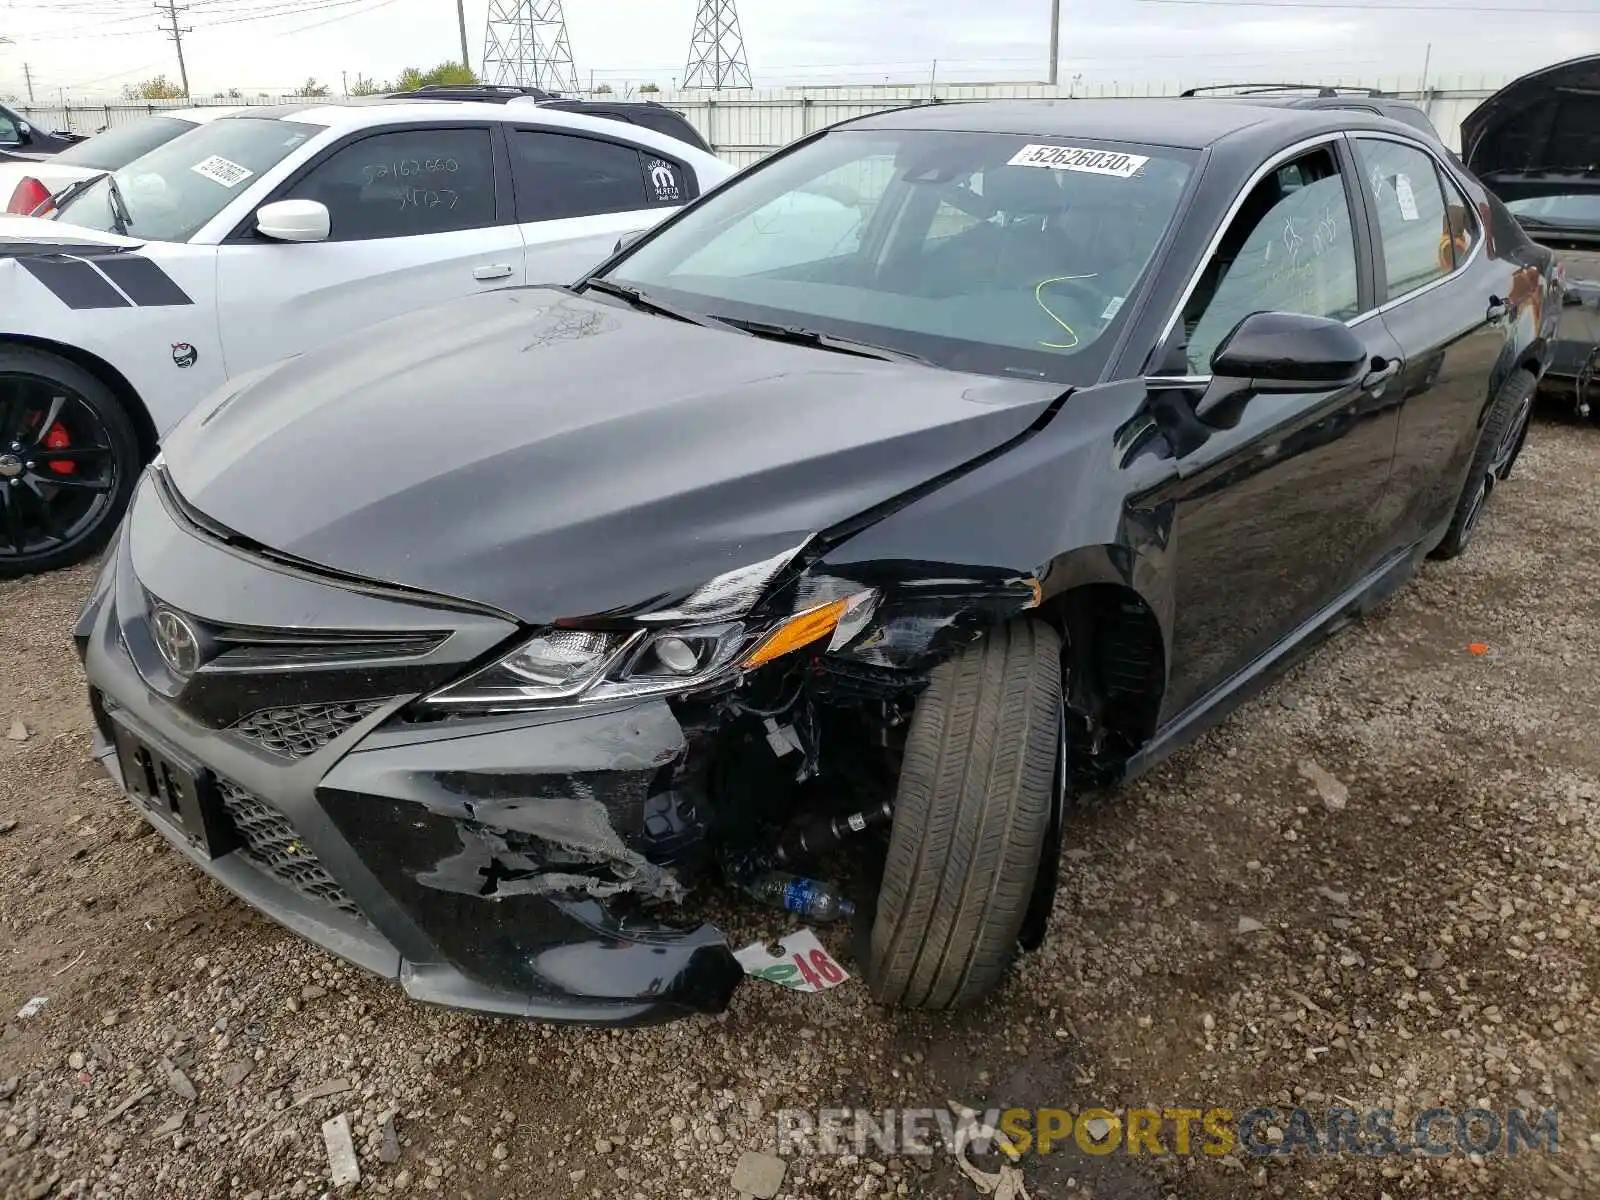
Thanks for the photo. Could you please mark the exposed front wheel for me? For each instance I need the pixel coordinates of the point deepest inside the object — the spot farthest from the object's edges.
(68, 460)
(972, 814)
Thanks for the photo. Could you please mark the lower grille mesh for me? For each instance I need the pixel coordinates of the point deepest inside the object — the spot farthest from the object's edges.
(302, 729)
(272, 844)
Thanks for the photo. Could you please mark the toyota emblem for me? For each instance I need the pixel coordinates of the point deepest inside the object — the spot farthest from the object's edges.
(177, 642)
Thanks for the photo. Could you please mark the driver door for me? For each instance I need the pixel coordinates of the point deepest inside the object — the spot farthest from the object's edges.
(418, 216)
(1276, 511)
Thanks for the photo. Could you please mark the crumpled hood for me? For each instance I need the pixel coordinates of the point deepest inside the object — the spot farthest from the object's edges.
(1540, 134)
(21, 235)
(557, 456)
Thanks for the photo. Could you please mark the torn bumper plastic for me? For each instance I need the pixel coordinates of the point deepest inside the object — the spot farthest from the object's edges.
(486, 865)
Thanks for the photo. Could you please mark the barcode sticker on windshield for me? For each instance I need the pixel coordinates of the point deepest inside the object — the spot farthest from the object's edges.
(1075, 158)
(220, 170)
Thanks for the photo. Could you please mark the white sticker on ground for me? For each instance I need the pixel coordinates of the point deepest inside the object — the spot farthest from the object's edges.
(1076, 158)
(1407, 198)
(221, 170)
(804, 964)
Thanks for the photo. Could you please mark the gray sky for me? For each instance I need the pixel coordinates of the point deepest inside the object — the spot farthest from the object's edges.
(93, 47)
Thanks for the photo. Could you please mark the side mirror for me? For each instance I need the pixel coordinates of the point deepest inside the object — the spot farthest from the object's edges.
(25, 131)
(1288, 352)
(627, 240)
(294, 221)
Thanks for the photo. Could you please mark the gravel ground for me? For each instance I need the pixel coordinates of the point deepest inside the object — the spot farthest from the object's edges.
(1376, 884)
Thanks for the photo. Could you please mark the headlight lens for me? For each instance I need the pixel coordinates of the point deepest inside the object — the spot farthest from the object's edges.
(705, 638)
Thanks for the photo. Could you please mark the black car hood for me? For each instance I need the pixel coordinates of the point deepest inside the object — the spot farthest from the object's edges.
(1540, 134)
(555, 456)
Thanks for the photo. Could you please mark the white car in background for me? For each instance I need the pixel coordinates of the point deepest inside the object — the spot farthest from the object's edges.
(27, 181)
(256, 236)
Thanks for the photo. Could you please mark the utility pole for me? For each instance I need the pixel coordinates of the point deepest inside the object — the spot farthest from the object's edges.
(1055, 39)
(717, 57)
(461, 20)
(173, 9)
(27, 74)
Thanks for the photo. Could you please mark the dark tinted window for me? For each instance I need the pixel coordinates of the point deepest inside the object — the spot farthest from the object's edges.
(118, 147)
(670, 123)
(563, 175)
(10, 132)
(404, 184)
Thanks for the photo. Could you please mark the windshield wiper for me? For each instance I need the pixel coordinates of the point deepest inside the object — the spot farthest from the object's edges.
(65, 194)
(648, 304)
(826, 341)
(121, 218)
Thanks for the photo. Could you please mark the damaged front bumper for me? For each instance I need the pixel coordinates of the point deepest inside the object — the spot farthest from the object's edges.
(500, 864)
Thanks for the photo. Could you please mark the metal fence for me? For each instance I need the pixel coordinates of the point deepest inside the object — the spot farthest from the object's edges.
(748, 124)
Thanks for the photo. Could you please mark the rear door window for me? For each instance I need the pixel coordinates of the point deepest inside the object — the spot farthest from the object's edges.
(1415, 234)
(561, 175)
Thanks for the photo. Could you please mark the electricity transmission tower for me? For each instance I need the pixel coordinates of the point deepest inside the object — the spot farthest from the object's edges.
(526, 44)
(716, 48)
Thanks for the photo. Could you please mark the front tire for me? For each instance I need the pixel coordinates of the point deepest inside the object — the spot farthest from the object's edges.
(69, 458)
(972, 814)
(1499, 444)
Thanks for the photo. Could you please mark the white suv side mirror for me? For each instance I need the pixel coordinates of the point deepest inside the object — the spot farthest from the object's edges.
(294, 221)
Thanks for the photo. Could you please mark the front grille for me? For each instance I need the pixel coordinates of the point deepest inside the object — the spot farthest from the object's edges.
(272, 844)
(301, 729)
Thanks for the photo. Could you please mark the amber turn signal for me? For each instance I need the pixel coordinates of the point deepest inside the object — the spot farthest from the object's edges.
(799, 630)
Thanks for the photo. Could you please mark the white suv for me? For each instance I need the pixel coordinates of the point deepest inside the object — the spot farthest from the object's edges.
(254, 237)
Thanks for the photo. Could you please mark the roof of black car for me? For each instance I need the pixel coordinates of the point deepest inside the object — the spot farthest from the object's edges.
(1163, 121)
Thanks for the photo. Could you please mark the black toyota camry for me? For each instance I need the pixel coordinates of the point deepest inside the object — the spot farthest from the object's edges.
(951, 461)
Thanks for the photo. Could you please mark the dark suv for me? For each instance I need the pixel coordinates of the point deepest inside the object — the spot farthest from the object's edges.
(20, 136)
(647, 113)
(1296, 95)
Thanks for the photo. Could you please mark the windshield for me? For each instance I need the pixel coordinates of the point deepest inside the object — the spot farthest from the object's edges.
(118, 147)
(172, 191)
(1581, 211)
(995, 253)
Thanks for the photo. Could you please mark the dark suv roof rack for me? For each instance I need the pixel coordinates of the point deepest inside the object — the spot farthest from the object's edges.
(1257, 89)
(493, 92)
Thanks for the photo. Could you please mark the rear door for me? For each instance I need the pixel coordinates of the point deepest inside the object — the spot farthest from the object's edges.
(1447, 303)
(577, 193)
(419, 215)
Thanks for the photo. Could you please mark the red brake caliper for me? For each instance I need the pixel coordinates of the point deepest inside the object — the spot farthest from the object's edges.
(57, 439)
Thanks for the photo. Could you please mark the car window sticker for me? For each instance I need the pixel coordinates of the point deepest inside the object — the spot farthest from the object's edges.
(1075, 158)
(221, 170)
(1407, 198)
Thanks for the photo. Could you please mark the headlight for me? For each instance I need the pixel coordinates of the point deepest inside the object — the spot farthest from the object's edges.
(585, 666)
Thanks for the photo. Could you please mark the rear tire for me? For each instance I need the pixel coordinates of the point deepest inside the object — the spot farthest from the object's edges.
(1499, 444)
(972, 814)
(69, 459)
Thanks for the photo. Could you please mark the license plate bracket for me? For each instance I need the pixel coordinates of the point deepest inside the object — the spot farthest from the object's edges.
(170, 784)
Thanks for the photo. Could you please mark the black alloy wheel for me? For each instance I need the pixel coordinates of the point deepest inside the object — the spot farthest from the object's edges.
(68, 455)
(1504, 432)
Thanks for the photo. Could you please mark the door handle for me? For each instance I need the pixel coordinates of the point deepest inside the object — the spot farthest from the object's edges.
(494, 271)
(1379, 376)
(1497, 309)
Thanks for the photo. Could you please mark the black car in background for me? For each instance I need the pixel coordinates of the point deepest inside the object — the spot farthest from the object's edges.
(1536, 145)
(20, 136)
(1312, 95)
(951, 460)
